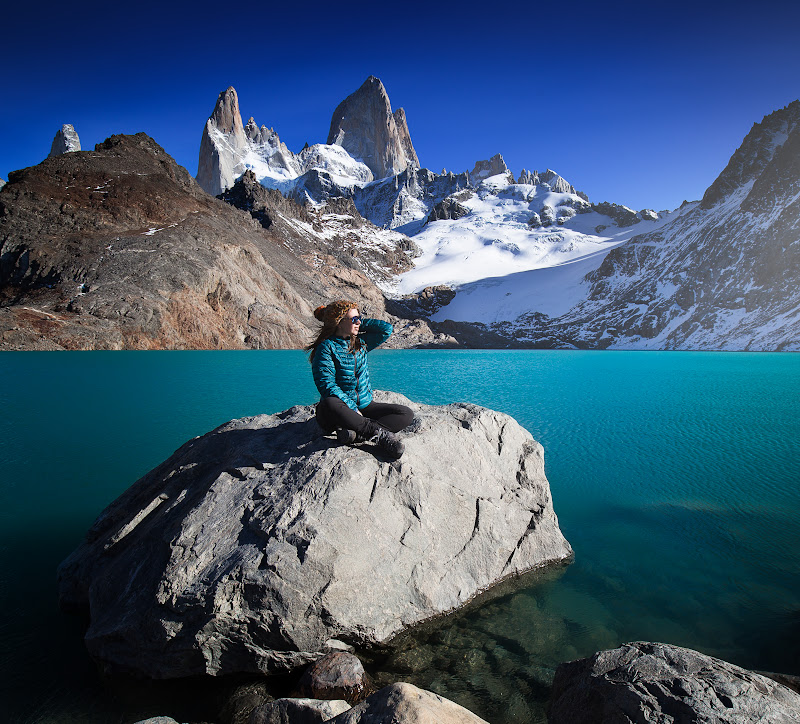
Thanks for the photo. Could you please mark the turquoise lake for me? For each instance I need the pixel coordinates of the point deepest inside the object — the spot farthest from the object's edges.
(675, 477)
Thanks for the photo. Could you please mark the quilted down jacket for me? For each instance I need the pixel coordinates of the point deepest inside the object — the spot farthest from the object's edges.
(343, 374)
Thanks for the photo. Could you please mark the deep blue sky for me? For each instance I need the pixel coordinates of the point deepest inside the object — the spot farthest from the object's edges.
(637, 103)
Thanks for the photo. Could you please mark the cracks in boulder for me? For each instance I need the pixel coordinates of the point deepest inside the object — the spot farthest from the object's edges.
(374, 487)
(536, 516)
(475, 527)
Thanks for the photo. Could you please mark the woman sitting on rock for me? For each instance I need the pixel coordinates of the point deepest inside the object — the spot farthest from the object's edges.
(339, 362)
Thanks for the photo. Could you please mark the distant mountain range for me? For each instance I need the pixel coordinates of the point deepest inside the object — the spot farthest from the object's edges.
(119, 247)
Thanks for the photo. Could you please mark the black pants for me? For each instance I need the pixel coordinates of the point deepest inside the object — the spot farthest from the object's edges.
(332, 413)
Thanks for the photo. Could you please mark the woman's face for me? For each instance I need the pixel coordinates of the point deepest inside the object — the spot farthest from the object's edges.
(350, 324)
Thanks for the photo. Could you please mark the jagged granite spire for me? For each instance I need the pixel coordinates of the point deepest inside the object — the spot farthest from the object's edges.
(556, 183)
(223, 141)
(365, 126)
(66, 141)
(484, 169)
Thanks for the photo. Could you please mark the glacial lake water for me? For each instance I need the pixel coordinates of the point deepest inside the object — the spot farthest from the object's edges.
(675, 477)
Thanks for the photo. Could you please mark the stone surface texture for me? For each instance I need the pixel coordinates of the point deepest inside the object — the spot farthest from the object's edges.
(407, 704)
(224, 140)
(243, 699)
(365, 126)
(66, 140)
(338, 675)
(650, 682)
(297, 711)
(263, 545)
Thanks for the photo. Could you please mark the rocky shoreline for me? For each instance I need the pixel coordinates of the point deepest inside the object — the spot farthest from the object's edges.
(264, 549)
(636, 682)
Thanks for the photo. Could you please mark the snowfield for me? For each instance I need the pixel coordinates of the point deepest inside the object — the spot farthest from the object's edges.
(500, 266)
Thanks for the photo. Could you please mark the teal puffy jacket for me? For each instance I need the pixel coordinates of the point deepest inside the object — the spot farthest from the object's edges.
(343, 374)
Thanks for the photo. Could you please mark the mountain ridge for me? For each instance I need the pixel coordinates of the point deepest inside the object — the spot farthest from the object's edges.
(120, 247)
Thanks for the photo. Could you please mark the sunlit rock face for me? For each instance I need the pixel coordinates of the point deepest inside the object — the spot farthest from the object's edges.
(365, 126)
(65, 141)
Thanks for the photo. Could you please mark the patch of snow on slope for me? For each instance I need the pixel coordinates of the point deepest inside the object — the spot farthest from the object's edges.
(274, 169)
(491, 254)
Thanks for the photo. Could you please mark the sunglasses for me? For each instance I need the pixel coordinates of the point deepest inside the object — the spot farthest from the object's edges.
(354, 320)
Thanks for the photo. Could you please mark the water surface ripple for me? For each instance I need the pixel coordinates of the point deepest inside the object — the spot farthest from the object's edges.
(674, 476)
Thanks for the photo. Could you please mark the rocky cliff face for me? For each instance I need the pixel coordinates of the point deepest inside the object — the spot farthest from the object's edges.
(373, 142)
(66, 141)
(120, 248)
(405, 201)
(491, 167)
(724, 274)
(353, 241)
(365, 126)
(222, 146)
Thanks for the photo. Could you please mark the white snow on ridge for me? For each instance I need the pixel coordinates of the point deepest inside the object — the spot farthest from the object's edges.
(550, 290)
(275, 169)
(501, 267)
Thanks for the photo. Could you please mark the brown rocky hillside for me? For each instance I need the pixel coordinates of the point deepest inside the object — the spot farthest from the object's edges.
(119, 248)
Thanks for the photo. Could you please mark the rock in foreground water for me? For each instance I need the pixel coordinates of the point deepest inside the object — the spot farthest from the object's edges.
(407, 704)
(297, 711)
(263, 545)
(650, 682)
(338, 675)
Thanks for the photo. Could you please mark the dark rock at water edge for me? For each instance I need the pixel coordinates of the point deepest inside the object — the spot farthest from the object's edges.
(646, 682)
(338, 675)
(262, 545)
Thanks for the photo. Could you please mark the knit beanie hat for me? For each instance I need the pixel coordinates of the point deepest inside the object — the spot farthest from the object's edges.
(332, 314)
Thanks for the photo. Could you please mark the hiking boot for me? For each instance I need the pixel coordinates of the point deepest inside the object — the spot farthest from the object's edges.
(386, 441)
(345, 436)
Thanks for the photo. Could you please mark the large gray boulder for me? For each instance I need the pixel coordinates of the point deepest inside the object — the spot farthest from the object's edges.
(648, 682)
(407, 704)
(263, 545)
